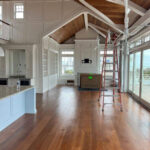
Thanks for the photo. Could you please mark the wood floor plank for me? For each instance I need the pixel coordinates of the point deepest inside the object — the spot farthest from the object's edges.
(68, 119)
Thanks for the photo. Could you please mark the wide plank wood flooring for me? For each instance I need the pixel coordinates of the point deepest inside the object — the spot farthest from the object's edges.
(68, 119)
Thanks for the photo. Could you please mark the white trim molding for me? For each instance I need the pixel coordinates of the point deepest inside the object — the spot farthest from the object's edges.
(132, 6)
(86, 20)
(96, 30)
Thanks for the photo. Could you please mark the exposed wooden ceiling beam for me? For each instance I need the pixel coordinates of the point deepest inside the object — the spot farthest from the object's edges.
(99, 13)
(140, 24)
(134, 7)
(96, 30)
(86, 20)
(126, 20)
(115, 27)
(98, 27)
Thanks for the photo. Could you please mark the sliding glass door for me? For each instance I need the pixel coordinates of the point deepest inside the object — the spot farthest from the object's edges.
(131, 72)
(145, 89)
(136, 78)
(139, 75)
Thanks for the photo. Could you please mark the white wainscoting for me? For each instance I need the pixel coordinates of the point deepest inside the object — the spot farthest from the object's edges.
(50, 82)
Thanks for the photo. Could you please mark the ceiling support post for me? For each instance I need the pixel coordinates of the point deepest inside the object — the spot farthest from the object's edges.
(126, 49)
(86, 20)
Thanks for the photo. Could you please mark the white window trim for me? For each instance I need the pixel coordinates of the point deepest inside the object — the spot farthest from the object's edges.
(17, 3)
(2, 11)
(65, 55)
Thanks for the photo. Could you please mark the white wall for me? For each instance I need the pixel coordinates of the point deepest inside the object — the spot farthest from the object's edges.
(2, 67)
(29, 58)
(65, 47)
(39, 18)
(50, 64)
(86, 46)
(86, 34)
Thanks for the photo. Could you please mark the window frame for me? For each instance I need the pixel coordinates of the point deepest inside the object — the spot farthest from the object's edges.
(15, 11)
(67, 55)
(1, 12)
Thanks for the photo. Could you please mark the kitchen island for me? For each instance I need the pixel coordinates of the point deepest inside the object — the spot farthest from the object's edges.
(15, 103)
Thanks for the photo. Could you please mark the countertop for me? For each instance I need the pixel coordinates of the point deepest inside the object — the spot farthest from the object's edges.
(6, 91)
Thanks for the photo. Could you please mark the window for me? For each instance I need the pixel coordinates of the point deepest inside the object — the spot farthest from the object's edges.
(19, 11)
(146, 76)
(67, 63)
(147, 38)
(1, 12)
(108, 52)
(67, 52)
(138, 42)
(131, 63)
(109, 61)
(139, 75)
(1, 25)
(136, 73)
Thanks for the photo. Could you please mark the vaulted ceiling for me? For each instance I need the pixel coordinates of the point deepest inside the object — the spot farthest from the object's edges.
(112, 9)
(100, 25)
(143, 3)
(68, 30)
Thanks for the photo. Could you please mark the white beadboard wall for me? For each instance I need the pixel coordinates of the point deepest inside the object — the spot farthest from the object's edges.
(39, 18)
(50, 63)
(86, 46)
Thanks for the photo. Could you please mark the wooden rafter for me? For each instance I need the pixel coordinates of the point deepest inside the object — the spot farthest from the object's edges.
(114, 28)
(67, 31)
(96, 30)
(140, 24)
(98, 27)
(132, 6)
(99, 13)
(86, 20)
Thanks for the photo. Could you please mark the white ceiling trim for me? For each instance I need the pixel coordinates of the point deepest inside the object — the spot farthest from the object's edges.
(102, 34)
(86, 20)
(66, 21)
(133, 6)
(99, 13)
(140, 24)
(115, 27)
(98, 27)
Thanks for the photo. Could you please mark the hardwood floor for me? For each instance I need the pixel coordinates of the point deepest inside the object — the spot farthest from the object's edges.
(71, 120)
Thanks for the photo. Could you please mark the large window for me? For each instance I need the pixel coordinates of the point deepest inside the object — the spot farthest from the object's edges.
(137, 66)
(19, 10)
(1, 17)
(131, 72)
(67, 63)
(1, 12)
(145, 94)
(140, 40)
(109, 60)
(139, 75)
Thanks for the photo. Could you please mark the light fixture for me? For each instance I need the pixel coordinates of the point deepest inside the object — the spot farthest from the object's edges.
(2, 54)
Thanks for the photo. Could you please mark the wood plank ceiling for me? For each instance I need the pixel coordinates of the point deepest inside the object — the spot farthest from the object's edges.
(114, 11)
(97, 22)
(68, 30)
(143, 3)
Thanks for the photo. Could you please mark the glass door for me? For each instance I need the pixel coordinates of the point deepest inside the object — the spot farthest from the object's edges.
(136, 76)
(145, 89)
(131, 72)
